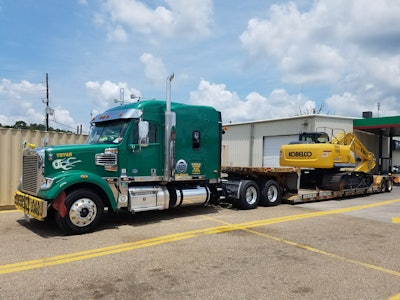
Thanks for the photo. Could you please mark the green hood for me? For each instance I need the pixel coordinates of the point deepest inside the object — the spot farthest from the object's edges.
(100, 159)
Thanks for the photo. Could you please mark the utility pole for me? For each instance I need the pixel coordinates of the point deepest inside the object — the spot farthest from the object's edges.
(379, 108)
(48, 110)
(47, 101)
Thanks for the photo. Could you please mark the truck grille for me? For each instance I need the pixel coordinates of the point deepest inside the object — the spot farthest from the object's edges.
(31, 172)
(106, 159)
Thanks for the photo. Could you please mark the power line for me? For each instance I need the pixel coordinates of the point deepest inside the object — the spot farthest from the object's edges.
(77, 130)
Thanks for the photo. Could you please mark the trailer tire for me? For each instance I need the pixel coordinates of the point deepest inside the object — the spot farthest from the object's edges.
(84, 211)
(249, 195)
(388, 186)
(271, 194)
(382, 186)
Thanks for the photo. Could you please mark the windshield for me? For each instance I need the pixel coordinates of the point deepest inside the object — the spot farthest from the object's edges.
(108, 132)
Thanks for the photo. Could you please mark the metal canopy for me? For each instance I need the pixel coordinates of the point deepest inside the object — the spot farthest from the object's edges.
(386, 126)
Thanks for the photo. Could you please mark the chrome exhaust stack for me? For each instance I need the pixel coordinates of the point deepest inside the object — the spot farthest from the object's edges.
(167, 132)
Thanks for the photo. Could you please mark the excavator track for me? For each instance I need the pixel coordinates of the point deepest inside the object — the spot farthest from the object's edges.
(341, 181)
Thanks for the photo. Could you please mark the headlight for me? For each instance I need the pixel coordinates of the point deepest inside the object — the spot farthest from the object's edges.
(48, 183)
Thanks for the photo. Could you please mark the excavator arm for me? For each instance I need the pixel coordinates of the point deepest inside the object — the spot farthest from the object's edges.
(350, 140)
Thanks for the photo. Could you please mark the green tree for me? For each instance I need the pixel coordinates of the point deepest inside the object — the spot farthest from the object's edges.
(33, 126)
(20, 125)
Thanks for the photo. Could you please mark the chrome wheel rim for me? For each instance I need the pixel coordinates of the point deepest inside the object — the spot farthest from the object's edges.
(251, 195)
(272, 194)
(82, 212)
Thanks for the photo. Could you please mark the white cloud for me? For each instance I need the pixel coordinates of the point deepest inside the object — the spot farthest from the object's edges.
(24, 103)
(255, 107)
(138, 16)
(190, 19)
(297, 42)
(320, 44)
(217, 96)
(117, 33)
(18, 98)
(274, 34)
(62, 116)
(385, 70)
(321, 64)
(104, 94)
(82, 2)
(339, 51)
(343, 44)
(21, 89)
(346, 104)
(154, 69)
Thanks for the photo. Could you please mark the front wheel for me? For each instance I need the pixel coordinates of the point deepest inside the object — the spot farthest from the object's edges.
(249, 195)
(84, 211)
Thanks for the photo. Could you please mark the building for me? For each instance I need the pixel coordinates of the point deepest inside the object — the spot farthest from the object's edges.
(257, 143)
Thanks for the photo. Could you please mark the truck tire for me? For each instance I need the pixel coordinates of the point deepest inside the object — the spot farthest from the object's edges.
(388, 186)
(249, 195)
(382, 186)
(271, 194)
(84, 211)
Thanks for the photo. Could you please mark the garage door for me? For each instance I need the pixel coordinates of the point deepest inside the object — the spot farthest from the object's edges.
(272, 144)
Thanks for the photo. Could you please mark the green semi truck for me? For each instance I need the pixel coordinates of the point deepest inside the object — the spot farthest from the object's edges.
(150, 155)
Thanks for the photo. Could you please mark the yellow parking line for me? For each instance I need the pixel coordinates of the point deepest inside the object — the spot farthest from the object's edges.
(247, 225)
(66, 258)
(264, 222)
(395, 220)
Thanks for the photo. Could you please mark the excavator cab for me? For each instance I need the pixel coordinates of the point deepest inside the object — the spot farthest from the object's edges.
(313, 137)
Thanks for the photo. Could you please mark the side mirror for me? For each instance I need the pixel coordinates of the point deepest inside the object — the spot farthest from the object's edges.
(143, 133)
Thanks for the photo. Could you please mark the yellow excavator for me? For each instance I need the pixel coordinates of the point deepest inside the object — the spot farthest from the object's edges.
(339, 164)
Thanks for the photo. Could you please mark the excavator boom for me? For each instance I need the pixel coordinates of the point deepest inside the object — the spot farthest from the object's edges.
(367, 158)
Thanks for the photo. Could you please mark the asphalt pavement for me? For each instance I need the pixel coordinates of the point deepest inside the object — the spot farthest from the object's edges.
(337, 249)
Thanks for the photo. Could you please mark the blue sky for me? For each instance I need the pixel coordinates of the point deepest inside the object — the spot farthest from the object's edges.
(249, 59)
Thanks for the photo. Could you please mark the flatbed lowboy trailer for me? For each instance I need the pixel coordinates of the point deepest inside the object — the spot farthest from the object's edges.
(288, 184)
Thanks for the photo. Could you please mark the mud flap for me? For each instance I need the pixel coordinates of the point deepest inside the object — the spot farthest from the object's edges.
(59, 204)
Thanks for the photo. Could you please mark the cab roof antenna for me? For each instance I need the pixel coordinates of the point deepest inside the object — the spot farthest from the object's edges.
(121, 97)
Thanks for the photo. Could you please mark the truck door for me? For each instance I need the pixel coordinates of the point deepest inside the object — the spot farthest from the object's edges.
(144, 155)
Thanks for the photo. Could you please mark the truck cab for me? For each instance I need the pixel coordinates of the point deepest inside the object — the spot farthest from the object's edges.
(138, 157)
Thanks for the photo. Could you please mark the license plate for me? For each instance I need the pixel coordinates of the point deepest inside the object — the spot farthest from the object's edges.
(35, 207)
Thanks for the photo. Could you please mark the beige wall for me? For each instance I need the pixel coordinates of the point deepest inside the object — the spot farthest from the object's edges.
(11, 141)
